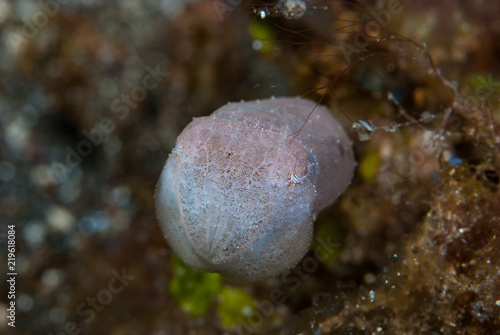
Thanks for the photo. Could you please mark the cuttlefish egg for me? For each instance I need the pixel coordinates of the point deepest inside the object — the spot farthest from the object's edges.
(239, 193)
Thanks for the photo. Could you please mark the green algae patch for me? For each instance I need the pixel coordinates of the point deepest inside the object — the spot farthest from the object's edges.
(263, 36)
(369, 167)
(236, 306)
(331, 234)
(194, 291)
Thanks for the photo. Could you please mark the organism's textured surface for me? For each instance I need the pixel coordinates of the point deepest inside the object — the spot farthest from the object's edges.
(240, 190)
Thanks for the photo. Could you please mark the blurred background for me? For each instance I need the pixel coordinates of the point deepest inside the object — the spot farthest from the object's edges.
(93, 95)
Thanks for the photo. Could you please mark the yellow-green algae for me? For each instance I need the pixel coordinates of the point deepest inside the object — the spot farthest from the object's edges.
(194, 291)
(262, 33)
(236, 306)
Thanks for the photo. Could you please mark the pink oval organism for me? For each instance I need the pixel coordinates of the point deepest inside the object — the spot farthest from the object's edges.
(240, 190)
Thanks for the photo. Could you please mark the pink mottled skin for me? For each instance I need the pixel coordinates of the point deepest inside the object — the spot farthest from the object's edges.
(239, 192)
